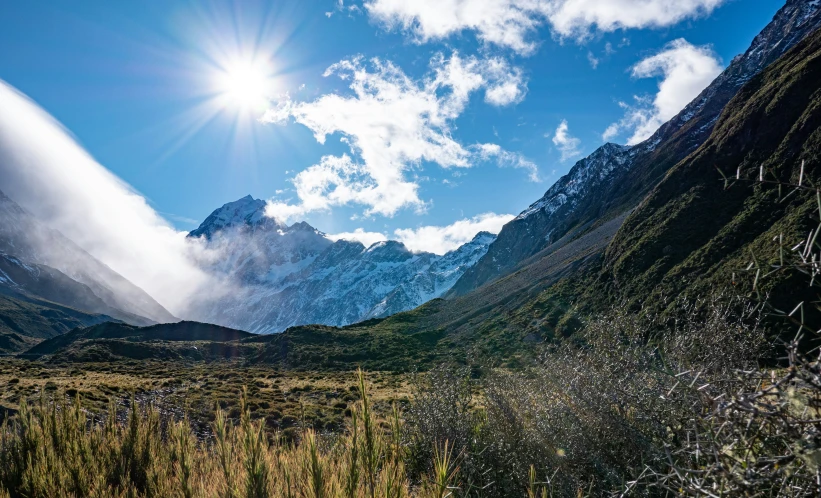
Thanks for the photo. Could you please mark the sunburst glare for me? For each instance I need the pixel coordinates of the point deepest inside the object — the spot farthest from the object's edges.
(245, 85)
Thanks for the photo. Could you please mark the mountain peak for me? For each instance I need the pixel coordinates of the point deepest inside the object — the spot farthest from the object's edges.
(245, 211)
(301, 226)
(483, 238)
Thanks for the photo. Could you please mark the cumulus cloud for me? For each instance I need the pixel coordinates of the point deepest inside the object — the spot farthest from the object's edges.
(43, 169)
(392, 124)
(360, 235)
(567, 144)
(611, 132)
(511, 24)
(441, 239)
(685, 70)
(578, 18)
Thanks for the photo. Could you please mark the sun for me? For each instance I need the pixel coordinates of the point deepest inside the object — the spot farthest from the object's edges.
(245, 85)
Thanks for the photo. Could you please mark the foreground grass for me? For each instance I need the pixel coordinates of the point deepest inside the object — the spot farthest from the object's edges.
(54, 449)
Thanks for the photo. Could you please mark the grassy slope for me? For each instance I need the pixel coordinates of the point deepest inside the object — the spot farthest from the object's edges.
(112, 341)
(24, 321)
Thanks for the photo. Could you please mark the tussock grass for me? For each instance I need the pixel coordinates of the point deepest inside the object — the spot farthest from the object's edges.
(54, 449)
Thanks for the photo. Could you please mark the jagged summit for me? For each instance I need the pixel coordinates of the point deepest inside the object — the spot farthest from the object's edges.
(584, 176)
(246, 211)
(482, 238)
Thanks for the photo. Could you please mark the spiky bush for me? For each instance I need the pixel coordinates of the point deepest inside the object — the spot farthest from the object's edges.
(588, 417)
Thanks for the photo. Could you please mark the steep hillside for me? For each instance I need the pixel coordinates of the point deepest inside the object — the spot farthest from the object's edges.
(687, 237)
(614, 179)
(24, 321)
(690, 233)
(283, 276)
(43, 283)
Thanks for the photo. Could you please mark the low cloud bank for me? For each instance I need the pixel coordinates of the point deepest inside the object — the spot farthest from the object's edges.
(47, 172)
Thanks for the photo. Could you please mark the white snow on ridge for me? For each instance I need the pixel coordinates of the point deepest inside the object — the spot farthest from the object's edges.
(294, 275)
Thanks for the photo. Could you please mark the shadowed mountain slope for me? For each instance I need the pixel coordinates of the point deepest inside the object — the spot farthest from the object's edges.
(110, 340)
(24, 321)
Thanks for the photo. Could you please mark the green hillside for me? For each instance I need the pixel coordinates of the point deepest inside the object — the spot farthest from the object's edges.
(691, 234)
(24, 321)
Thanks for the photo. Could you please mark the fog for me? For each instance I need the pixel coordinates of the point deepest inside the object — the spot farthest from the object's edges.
(45, 170)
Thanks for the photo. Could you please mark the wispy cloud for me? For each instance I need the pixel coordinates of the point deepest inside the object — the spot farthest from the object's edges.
(593, 60)
(360, 235)
(685, 71)
(48, 173)
(567, 144)
(507, 159)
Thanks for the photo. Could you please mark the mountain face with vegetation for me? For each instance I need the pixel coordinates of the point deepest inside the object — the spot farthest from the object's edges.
(283, 276)
(112, 341)
(687, 238)
(614, 179)
(769, 134)
(24, 321)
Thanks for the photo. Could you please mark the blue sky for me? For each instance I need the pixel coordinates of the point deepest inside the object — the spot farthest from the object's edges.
(474, 109)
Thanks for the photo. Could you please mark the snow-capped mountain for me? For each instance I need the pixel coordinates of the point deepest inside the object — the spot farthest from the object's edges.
(293, 275)
(614, 178)
(254, 249)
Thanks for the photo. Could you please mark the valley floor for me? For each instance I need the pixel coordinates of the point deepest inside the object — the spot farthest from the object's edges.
(285, 400)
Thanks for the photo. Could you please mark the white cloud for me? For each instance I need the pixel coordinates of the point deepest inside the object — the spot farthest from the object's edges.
(341, 7)
(441, 239)
(507, 159)
(567, 144)
(685, 71)
(594, 62)
(360, 235)
(578, 18)
(48, 173)
(506, 23)
(610, 132)
(512, 23)
(392, 123)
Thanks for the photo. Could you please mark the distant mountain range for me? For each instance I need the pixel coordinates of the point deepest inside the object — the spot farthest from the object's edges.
(275, 276)
(294, 275)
